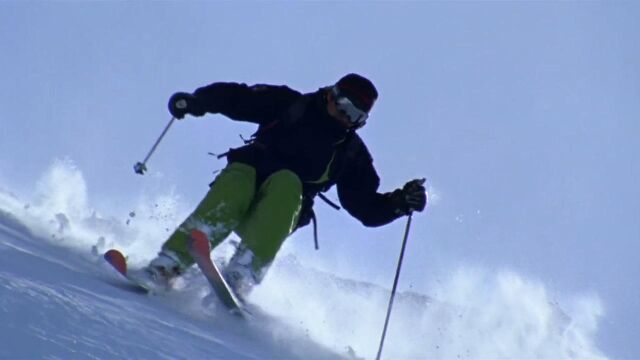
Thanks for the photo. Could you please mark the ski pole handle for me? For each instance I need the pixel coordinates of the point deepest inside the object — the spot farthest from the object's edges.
(141, 167)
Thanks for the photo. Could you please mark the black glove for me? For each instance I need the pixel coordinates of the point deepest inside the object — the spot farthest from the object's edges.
(181, 104)
(412, 197)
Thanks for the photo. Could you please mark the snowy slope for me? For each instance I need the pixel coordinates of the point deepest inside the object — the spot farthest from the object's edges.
(59, 300)
(55, 303)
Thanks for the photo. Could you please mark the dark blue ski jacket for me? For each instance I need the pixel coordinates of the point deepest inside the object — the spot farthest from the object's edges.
(296, 133)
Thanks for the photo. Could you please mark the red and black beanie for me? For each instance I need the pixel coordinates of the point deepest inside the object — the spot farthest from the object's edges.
(359, 90)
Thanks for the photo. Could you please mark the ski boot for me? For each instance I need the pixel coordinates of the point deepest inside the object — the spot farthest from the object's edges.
(242, 273)
(161, 271)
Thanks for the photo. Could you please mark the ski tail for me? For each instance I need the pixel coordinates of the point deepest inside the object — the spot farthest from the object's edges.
(118, 262)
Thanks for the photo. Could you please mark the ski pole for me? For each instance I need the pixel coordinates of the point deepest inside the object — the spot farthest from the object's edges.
(395, 285)
(141, 167)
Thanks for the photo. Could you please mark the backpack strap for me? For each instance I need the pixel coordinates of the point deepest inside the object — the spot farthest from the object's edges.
(329, 202)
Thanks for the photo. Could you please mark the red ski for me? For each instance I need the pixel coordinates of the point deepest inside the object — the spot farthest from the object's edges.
(118, 261)
(200, 250)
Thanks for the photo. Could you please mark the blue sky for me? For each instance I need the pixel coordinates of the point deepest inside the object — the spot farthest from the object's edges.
(523, 117)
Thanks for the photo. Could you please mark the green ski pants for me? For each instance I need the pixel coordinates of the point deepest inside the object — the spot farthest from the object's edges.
(262, 219)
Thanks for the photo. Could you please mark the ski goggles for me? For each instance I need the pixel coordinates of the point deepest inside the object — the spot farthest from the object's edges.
(356, 116)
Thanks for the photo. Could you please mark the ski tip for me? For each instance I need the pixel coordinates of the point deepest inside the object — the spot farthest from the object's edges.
(199, 242)
(117, 260)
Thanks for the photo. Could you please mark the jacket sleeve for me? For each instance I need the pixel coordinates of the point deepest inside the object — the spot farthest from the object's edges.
(358, 190)
(260, 104)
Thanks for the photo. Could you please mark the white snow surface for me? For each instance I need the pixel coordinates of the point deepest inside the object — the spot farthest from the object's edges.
(58, 299)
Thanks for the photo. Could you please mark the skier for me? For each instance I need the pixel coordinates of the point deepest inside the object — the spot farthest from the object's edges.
(305, 144)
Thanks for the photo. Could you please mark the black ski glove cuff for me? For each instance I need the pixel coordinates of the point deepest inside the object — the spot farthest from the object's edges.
(412, 197)
(181, 104)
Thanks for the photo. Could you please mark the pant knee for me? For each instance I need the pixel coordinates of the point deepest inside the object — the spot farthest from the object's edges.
(283, 183)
